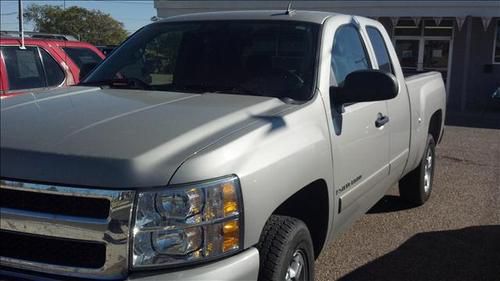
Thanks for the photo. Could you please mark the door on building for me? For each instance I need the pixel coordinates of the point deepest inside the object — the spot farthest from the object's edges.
(425, 46)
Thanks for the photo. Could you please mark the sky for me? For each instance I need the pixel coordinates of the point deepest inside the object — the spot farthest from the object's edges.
(133, 13)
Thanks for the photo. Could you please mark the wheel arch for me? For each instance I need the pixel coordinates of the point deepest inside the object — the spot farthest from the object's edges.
(311, 205)
(435, 125)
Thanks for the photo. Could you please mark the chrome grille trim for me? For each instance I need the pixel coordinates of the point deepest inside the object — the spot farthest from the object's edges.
(52, 225)
(113, 231)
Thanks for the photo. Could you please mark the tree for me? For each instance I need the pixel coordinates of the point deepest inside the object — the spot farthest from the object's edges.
(92, 26)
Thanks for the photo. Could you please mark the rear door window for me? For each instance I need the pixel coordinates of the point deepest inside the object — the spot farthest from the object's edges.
(82, 56)
(381, 53)
(24, 67)
(54, 72)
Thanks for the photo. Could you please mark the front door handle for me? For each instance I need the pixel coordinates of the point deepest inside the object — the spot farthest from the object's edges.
(381, 120)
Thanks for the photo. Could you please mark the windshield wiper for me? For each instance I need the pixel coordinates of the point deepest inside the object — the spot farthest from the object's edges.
(236, 91)
(123, 83)
(202, 89)
(195, 88)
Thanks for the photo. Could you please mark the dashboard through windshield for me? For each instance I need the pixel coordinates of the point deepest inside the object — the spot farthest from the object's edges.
(265, 58)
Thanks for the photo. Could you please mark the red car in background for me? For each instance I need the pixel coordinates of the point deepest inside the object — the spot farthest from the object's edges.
(43, 63)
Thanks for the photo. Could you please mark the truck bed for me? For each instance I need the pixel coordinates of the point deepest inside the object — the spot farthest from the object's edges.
(427, 95)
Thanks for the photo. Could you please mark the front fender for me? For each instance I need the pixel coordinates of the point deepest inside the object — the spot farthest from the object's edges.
(274, 158)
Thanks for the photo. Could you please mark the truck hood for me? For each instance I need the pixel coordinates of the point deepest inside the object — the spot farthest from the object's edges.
(110, 138)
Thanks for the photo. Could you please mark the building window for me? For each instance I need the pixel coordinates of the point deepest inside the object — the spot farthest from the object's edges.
(426, 27)
(407, 27)
(407, 51)
(496, 50)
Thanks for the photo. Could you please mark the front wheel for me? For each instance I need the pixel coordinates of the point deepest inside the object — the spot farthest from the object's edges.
(416, 186)
(286, 250)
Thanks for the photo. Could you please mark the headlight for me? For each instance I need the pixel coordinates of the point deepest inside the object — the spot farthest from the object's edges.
(187, 223)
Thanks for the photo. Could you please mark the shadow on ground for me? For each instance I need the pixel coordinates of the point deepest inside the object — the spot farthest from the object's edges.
(471, 253)
(389, 204)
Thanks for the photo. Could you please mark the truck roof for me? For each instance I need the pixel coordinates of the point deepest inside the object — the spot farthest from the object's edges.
(304, 16)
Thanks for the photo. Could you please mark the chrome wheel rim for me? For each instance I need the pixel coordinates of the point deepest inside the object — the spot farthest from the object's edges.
(297, 269)
(428, 171)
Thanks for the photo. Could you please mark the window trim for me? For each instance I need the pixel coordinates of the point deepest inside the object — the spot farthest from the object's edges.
(363, 44)
(43, 66)
(391, 63)
(495, 39)
(45, 71)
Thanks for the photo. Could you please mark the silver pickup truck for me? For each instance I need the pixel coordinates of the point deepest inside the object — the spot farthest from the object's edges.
(217, 146)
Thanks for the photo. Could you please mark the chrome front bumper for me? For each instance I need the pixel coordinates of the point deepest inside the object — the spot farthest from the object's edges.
(241, 267)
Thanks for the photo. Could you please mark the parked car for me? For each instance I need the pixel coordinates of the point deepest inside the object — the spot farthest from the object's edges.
(43, 63)
(217, 146)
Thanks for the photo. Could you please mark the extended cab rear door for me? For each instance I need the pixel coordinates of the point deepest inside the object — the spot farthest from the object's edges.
(360, 148)
(398, 107)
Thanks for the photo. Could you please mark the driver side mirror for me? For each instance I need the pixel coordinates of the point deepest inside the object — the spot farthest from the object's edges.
(365, 86)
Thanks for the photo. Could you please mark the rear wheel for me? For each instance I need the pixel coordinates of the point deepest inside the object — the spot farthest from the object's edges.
(286, 250)
(416, 187)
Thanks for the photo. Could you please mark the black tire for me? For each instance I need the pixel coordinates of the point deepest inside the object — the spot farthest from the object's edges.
(412, 187)
(281, 239)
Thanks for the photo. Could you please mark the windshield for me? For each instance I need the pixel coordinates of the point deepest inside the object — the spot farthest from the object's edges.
(267, 58)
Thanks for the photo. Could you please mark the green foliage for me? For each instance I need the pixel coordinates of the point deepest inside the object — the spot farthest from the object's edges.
(91, 26)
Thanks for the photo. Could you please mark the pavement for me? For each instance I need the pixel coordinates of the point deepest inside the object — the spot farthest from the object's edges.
(454, 236)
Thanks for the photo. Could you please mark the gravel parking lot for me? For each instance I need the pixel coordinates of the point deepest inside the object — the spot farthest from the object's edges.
(454, 236)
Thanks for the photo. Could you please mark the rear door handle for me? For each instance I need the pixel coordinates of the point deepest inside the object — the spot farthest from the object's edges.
(381, 120)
